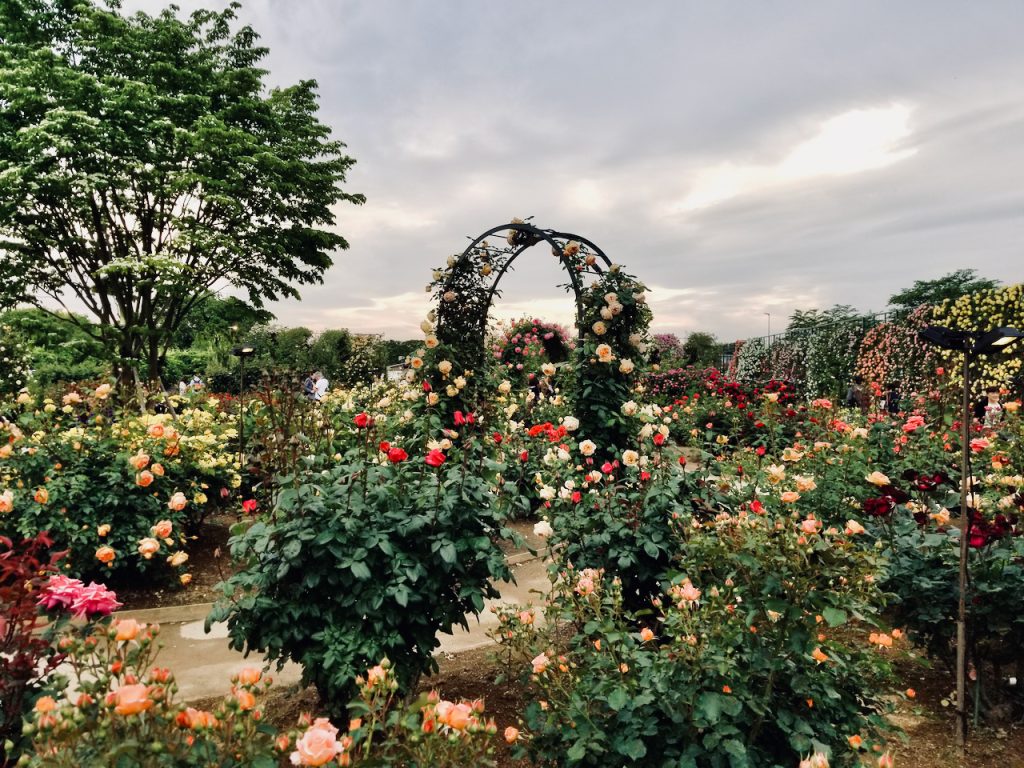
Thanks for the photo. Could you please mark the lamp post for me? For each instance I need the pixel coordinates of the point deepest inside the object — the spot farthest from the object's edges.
(971, 344)
(769, 314)
(241, 353)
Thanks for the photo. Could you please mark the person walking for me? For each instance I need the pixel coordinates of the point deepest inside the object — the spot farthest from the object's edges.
(309, 387)
(892, 400)
(855, 394)
(989, 410)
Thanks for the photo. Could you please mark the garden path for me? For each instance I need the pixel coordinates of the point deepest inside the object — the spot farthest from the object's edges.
(203, 663)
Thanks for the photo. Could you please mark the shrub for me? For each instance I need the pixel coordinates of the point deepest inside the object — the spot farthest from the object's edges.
(26, 656)
(367, 556)
(751, 657)
(118, 490)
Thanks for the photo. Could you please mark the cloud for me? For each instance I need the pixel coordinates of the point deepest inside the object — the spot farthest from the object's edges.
(855, 141)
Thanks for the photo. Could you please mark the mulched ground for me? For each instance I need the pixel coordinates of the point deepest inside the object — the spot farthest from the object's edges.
(209, 563)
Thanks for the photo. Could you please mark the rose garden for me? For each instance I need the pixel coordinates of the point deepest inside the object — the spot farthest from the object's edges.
(739, 566)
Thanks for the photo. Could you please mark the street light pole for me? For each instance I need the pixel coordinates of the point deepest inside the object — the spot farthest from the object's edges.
(971, 344)
(769, 323)
(241, 353)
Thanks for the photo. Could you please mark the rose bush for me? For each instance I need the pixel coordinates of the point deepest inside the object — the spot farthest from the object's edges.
(119, 490)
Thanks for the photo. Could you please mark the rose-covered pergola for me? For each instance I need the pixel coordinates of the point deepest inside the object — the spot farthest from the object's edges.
(612, 318)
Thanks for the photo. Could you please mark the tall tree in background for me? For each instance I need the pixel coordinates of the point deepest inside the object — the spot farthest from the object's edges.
(143, 163)
(702, 349)
(951, 286)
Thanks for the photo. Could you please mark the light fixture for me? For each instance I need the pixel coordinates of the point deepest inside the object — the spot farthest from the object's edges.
(243, 351)
(945, 338)
(995, 340)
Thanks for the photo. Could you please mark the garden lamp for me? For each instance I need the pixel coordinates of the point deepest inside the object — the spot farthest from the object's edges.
(972, 344)
(241, 353)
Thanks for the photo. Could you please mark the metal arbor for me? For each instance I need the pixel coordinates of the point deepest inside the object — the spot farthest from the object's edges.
(468, 287)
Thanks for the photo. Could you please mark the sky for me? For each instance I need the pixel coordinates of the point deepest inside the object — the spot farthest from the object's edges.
(742, 159)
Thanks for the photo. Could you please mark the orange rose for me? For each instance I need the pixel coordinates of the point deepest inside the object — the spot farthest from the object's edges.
(245, 699)
(139, 461)
(162, 529)
(144, 479)
(172, 450)
(103, 530)
(6, 501)
(790, 497)
(106, 554)
(155, 430)
(45, 705)
(196, 719)
(185, 579)
(249, 676)
(131, 699)
(127, 629)
(41, 496)
(646, 635)
(511, 735)
(158, 470)
(5, 450)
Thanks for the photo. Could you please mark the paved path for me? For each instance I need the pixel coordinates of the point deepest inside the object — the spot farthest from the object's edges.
(203, 663)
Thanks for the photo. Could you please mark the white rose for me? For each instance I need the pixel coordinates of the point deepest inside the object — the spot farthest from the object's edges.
(629, 408)
(547, 369)
(588, 447)
(599, 328)
(626, 366)
(543, 529)
(630, 458)
(571, 423)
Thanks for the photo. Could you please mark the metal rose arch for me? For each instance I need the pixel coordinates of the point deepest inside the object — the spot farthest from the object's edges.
(612, 318)
(469, 285)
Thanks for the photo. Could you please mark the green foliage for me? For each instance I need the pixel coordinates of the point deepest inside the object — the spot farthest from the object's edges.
(143, 162)
(946, 288)
(58, 348)
(750, 657)
(701, 349)
(216, 321)
(361, 560)
(98, 479)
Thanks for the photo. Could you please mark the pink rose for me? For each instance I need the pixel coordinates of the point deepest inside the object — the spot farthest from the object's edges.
(540, 664)
(60, 592)
(94, 600)
(318, 745)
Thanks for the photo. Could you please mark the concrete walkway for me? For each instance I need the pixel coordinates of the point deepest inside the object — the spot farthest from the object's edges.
(203, 663)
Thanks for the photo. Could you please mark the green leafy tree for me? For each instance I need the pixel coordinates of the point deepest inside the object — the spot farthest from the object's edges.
(55, 348)
(702, 349)
(951, 286)
(143, 163)
(214, 320)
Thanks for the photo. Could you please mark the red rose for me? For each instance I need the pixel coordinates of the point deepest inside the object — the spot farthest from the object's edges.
(577, 497)
(607, 468)
(426, 385)
(497, 438)
(362, 420)
(659, 439)
(524, 455)
(385, 446)
(435, 458)
(249, 506)
(397, 455)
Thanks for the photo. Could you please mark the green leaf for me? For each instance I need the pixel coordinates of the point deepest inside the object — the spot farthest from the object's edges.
(360, 571)
(834, 616)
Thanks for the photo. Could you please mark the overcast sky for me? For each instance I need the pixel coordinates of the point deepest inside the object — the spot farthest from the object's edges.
(740, 158)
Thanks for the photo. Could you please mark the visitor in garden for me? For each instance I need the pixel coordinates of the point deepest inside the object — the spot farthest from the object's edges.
(892, 399)
(197, 382)
(321, 385)
(309, 387)
(855, 394)
(182, 387)
(989, 410)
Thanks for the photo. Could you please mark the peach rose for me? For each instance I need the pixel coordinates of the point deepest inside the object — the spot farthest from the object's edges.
(5, 450)
(178, 558)
(131, 699)
(6, 501)
(162, 529)
(127, 629)
(459, 716)
(103, 530)
(317, 746)
(155, 430)
(45, 705)
(177, 502)
(139, 461)
(540, 663)
(646, 635)
(144, 479)
(789, 497)
(511, 735)
(106, 554)
(249, 676)
(245, 699)
(197, 719)
(877, 478)
(41, 496)
(148, 547)
(810, 525)
(103, 391)
(158, 470)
